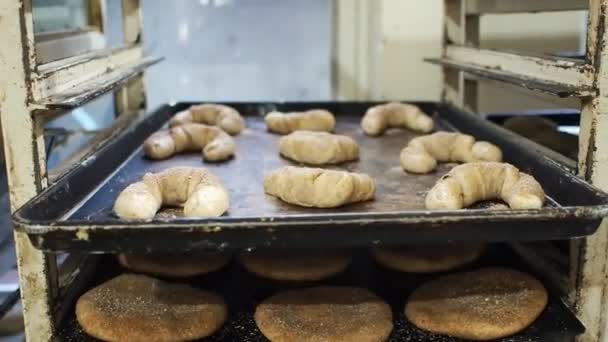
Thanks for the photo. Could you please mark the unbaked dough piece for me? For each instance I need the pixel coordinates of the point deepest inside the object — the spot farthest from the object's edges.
(174, 265)
(225, 117)
(214, 143)
(197, 190)
(324, 314)
(426, 259)
(318, 148)
(295, 264)
(139, 308)
(319, 188)
(310, 120)
(379, 118)
(468, 183)
(485, 304)
(422, 153)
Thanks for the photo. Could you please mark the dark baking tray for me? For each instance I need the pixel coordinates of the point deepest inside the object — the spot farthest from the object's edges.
(75, 213)
(243, 292)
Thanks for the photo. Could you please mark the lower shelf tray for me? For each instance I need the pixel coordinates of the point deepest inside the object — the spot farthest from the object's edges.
(243, 292)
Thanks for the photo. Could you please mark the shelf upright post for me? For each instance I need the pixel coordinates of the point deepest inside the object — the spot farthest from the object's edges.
(25, 160)
(590, 256)
(131, 98)
(460, 29)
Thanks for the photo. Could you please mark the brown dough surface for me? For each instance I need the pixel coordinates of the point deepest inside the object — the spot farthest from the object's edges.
(174, 265)
(485, 304)
(296, 265)
(318, 148)
(318, 188)
(325, 314)
(426, 259)
(139, 308)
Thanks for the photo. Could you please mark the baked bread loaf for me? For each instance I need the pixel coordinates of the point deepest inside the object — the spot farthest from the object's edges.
(174, 265)
(485, 304)
(139, 308)
(295, 264)
(426, 259)
(337, 314)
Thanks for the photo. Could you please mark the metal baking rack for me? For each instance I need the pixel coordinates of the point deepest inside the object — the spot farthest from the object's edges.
(40, 91)
(75, 214)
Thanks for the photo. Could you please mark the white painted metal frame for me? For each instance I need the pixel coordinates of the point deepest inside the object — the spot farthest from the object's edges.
(516, 6)
(587, 80)
(23, 82)
(22, 85)
(356, 30)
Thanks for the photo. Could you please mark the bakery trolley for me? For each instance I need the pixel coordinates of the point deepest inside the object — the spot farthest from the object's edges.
(71, 212)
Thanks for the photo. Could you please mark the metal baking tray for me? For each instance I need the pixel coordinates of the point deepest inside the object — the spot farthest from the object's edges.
(244, 291)
(75, 213)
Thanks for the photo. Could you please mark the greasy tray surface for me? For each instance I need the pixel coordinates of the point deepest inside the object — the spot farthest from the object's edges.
(258, 153)
(243, 292)
(76, 212)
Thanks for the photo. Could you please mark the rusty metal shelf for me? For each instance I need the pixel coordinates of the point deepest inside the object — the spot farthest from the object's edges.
(88, 90)
(495, 74)
(557, 321)
(76, 213)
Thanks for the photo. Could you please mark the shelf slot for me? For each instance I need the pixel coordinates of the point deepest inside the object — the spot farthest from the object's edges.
(85, 91)
(475, 7)
(558, 76)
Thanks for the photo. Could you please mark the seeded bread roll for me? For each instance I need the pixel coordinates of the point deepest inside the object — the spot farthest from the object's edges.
(139, 308)
(482, 305)
(337, 314)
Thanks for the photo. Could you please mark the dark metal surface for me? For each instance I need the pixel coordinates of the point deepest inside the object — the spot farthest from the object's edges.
(7, 301)
(562, 116)
(76, 213)
(243, 292)
(561, 90)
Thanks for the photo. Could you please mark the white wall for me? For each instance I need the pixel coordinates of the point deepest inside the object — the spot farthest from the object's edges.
(412, 30)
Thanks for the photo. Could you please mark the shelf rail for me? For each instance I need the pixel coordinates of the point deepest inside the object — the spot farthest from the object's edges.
(586, 79)
(30, 93)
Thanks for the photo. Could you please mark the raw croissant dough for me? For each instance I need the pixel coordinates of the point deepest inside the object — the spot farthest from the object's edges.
(379, 118)
(468, 183)
(318, 148)
(225, 117)
(422, 153)
(216, 145)
(197, 190)
(319, 188)
(310, 120)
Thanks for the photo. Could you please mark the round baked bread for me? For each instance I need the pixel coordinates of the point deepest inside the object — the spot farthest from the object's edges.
(325, 314)
(296, 265)
(485, 304)
(426, 259)
(174, 265)
(139, 308)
